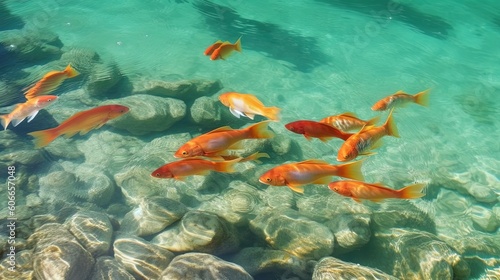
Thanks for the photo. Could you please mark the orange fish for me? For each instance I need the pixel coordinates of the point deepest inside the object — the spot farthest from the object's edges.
(213, 47)
(375, 192)
(319, 130)
(241, 104)
(28, 109)
(193, 166)
(400, 99)
(225, 50)
(50, 82)
(295, 175)
(81, 122)
(366, 139)
(216, 142)
(348, 121)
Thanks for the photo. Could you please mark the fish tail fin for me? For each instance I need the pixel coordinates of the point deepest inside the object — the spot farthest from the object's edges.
(412, 191)
(422, 98)
(44, 137)
(237, 45)
(350, 170)
(71, 72)
(260, 130)
(5, 121)
(226, 166)
(272, 113)
(372, 121)
(390, 126)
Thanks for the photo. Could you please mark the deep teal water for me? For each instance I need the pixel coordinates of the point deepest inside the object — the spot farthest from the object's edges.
(317, 58)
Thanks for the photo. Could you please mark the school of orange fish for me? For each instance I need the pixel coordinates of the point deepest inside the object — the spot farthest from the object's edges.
(214, 150)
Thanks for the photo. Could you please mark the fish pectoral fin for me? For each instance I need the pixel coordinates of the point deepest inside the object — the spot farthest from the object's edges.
(180, 178)
(376, 199)
(235, 112)
(296, 188)
(15, 122)
(367, 153)
(308, 137)
(203, 172)
(32, 115)
(357, 200)
(250, 115)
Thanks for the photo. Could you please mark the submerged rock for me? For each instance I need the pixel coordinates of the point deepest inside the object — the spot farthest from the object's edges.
(205, 111)
(402, 214)
(414, 254)
(484, 218)
(331, 268)
(107, 268)
(287, 230)
(148, 113)
(203, 266)
(31, 44)
(102, 79)
(141, 258)
(184, 90)
(93, 230)
(239, 202)
(257, 260)
(23, 266)
(152, 215)
(199, 231)
(58, 255)
(351, 231)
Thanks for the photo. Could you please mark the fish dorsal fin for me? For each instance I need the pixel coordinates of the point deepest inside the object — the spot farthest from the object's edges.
(15, 122)
(235, 112)
(296, 188)
(348, 114)
(220, 129)
(32, 115)
(313, 161)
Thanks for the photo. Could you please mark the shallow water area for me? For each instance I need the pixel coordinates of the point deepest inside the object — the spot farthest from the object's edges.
(311, 59)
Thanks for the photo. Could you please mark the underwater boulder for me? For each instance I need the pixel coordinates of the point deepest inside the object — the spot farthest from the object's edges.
(278, 197)
(484, 219)
(148, 113)
(330, 268)
(351, 231)
(415, 254)
(326, 206)
(141, 258)
(203, 266)
(31, 45)
(199, 231)
(186, 90)
(108, 268)
(24, 266)
(402, 214)
(257, 260)
(58, 255)
(152, 215)
(287, 230)
(93, 230)
(102, 79)
(205, 111)
(236, 204)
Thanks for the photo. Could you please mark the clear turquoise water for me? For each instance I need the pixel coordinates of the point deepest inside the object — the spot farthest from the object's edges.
(318, 58)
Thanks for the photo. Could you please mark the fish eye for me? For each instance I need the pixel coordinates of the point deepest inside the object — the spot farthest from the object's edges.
(268, 179)
(158, 174)
(184, 153)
